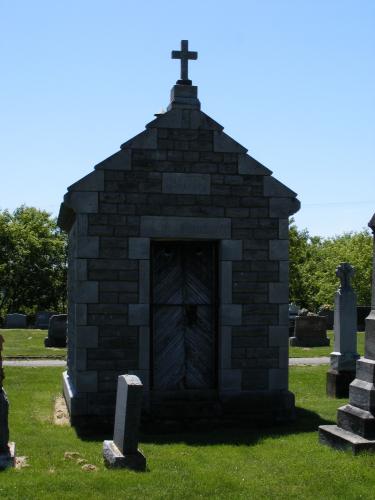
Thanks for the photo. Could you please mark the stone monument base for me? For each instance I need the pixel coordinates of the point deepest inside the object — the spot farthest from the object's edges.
(8, 459)
(339, 438)
(338, 383)
(113, 458)
(309, 342)
(54, 342)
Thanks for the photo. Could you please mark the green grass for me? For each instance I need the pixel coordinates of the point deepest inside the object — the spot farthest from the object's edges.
(28, 343)
(314, 352)
(283, 462)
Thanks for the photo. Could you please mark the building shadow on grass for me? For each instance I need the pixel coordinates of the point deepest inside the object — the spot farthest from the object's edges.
(205, 433)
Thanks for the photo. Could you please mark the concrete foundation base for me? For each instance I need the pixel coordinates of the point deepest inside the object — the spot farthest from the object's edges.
(340, 439)
(8, 459)
(338, 383)
(113, 458)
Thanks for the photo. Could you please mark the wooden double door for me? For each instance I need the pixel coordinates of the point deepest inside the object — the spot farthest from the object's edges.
(184, 315)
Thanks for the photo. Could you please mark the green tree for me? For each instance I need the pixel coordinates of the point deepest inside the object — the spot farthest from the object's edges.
(313, 261)
(32, 262)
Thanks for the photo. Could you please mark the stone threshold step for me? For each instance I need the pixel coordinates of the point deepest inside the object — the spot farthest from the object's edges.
(340, 439)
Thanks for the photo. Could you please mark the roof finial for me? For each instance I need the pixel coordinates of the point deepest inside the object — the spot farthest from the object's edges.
(184, 55)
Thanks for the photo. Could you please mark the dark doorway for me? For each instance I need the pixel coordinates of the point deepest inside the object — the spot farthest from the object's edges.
(184, 315)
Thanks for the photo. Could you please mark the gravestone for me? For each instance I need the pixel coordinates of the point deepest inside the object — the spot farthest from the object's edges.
(42, 319)
(57, 331)
(15, 320)
(355, 429)
(344, 357)
(7, 449)
(362, 313)
(123, 450)
(310, 330)
(178, 273)
(329, 317)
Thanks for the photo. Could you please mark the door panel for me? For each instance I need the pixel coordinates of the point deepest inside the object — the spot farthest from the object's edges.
(183, 274)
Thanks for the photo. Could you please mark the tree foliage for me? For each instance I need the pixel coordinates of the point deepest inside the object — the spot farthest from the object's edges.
(313, 261)
(32, 262)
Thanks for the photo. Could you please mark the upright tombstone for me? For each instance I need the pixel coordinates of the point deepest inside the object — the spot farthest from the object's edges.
(42, 319)
(7, 449)
(310, 330)
(15, 320)
(123, 450)
(355, 429)
(178, 273)
(344, 357)
(57, 331)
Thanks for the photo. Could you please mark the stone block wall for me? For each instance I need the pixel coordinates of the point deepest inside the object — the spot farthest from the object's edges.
(184, 180)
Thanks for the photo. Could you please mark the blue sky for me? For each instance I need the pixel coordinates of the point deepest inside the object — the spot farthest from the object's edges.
(291, 80)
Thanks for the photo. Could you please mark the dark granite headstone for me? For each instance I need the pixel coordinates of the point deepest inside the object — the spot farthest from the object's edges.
(42, 319)
(56, 331)
(362, 313)
(310, 330)
(15, 320)
(355, 429)
(123, 450)
(329, 316)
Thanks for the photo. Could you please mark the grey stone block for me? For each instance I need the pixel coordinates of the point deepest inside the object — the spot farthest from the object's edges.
(278, 293)
(122, 160)
(283, 229)
(278, 336)
(283, 314)
(87, 381)
(113, 458)
(231, 249)
(231, 314)
(249, 166)
(144, 348)
(148, 139)
(86, 336)
(283, 207)
(86, 292)
(88, 246)
(279, 250)
(273, 187)
(139, 314)
(178, 183)
(362, 395)
(278, 379)
(94, 181)
(139, 248)
(82, 224)
(81, 359)
(226, 282)
(340, 439)
(80, 314)
(83, 202)
(223, 143)
(284, 356)
(81, 269)
(230, 380)
(225, 347)
(144, 281)
(284, 272)
(185, 227)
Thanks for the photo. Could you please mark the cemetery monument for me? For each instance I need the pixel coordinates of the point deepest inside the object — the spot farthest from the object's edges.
(178, 273)
(344, 357)
(123, 450)
(57, 328)
(355, 429)
(310, 330)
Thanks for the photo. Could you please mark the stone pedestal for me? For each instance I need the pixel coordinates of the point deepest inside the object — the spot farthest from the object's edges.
(309, 331)
(355, 429)
(338, 383)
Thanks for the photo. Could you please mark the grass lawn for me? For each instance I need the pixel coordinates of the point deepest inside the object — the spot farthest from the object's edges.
(28, 343)
(314, 352)
(283, 462)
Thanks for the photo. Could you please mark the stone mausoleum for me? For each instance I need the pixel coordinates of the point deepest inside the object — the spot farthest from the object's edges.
(178, 273)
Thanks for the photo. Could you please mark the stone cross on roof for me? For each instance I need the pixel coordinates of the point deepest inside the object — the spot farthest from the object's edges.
(184, 54)
(345, 272)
